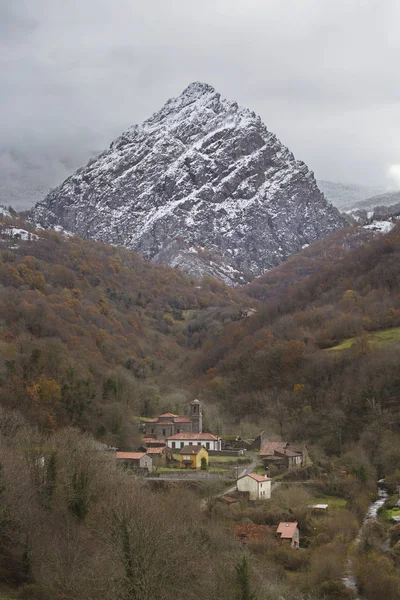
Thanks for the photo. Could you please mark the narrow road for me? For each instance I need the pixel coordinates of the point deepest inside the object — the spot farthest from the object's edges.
(245, 471)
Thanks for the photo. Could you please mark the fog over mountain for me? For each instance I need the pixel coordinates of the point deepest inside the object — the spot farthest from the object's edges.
(74, 75)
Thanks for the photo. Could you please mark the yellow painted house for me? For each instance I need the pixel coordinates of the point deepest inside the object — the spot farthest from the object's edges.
(190, 456)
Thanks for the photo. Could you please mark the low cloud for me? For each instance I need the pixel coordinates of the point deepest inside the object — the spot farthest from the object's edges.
(393, 176)
(320, 73)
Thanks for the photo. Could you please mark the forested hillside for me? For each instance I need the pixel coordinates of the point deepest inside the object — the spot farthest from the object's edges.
(92, 336)
(85, 329)
(318, 255)
(280, 368)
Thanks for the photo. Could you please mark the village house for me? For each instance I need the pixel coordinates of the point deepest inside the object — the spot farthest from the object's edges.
(284, 455)
(135, 460)
(208, 440)
(257, 486)
(191, 457)
(289, 533)
(169, 424)
(160, 455)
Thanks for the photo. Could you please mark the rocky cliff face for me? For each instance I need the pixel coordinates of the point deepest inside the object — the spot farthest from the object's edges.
(202, 185)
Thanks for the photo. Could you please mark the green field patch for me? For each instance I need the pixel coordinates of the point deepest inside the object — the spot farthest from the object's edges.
(221, 459)
(376, 339)
(333, 502)
(166, 469)
(392, 512)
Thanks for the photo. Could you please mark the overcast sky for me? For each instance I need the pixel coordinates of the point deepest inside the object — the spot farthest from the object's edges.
(323, 74)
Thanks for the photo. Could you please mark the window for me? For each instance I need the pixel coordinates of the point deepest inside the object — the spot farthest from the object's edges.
(178, 431)
(199, 443)
(173, 444)
(182, 444)
(190, 444)
(208, 445)
(152, 430)
(163, 432)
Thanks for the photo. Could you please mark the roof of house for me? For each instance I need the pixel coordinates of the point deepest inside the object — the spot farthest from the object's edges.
(289, 453)
(156, 450)
(268, 448)
(288, 448)
(130, 455)
(259, 478)
(167, 415)
(287, 530)
(191, 449)
(182, 420)
(187, 435)
(153, 441)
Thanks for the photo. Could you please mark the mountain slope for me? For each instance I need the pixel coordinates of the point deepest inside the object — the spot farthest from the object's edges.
(206, 173)
(275, 283)
(345, 195)
(86, 329)
(381, 200)
(277, 365)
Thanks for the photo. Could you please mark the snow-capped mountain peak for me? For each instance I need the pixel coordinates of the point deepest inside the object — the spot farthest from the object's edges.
(203, 171)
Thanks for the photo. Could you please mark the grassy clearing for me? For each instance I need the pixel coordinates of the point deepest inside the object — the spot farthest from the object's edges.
(225, 459)
(166, 469)
(377, 339)
(392, 512)
(219, 459)
(334, 502)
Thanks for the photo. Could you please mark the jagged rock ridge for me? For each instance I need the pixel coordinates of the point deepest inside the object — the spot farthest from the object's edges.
(202, 185)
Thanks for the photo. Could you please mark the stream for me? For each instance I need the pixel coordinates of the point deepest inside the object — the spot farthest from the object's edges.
(349, 580)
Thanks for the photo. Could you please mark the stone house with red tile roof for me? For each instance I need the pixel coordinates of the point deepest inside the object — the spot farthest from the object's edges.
(289, 532)
(284, 455)
(160, 455)
(257, 486)
(135, 460)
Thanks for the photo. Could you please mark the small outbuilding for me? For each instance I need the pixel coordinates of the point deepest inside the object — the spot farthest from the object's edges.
(319, 507)
(191, 457)
(257, 486)
(289, 533)
(135, 460)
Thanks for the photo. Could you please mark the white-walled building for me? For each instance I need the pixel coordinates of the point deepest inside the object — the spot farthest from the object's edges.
(208, 440)
(257, 486)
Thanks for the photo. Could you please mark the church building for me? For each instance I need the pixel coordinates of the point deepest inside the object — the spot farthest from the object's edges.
(168, 424)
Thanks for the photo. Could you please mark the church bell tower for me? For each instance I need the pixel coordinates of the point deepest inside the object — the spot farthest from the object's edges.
(196, 415)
